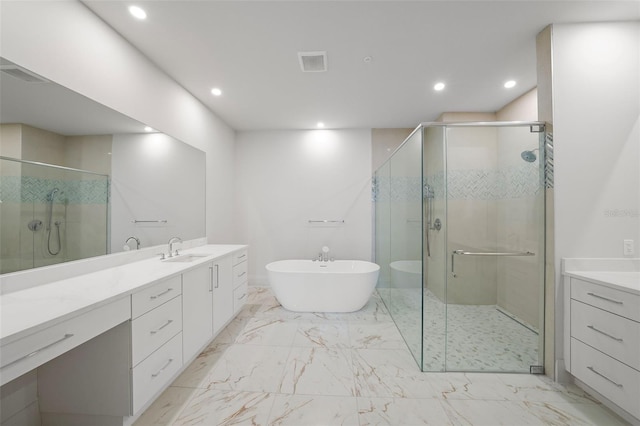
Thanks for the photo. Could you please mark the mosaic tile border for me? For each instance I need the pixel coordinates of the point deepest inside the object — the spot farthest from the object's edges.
(474, 184)
(29, 189)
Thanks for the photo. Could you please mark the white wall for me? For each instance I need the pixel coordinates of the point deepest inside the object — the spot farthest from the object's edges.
(384, 142)
(66, 43)
(156, 177)
(596, 114)
(286, 178)
(520, 219)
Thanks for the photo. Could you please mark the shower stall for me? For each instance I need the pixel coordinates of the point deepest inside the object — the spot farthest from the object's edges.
(50, 214)
(459, 237)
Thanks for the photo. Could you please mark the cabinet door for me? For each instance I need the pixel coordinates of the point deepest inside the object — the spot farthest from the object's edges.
(197, 309)
(222, 292)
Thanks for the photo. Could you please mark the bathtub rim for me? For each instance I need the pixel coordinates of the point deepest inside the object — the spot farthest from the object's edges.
(370, 267)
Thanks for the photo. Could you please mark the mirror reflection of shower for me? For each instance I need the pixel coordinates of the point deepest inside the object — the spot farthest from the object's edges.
(57, 246)
(529, 156)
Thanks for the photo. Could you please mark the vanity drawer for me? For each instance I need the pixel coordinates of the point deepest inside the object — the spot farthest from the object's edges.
(614, 335)
(239, 256)
(155, 295)
(16, 358)
(609, 299)
(156, 327)
(240, 295)
(611, 378)
(240, 274)
(152, 374)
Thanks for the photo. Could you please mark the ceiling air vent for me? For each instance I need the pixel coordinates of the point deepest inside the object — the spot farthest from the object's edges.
(22, 74)
(313, 61)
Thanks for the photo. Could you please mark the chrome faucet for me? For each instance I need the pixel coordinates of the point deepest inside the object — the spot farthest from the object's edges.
(171, 241)
(325, 254)
(135, 239)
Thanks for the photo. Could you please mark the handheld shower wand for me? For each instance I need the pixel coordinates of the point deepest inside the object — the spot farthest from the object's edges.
(50, 199)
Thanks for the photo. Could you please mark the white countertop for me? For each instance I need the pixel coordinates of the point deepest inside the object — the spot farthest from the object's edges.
(621, 274)
(629, 281)
(27, 311)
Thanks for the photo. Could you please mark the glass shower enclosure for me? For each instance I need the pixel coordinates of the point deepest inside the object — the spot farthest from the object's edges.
(459, 237)
(50, 214)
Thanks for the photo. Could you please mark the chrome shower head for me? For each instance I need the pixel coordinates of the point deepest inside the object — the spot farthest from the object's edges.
(52, 194)
(529, 156)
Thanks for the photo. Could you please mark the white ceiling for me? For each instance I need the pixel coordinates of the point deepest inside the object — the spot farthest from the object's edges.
(249, 50)
(49, 106)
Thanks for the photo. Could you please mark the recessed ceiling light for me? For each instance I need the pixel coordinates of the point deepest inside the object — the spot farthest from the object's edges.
(367, 59)
(216, 92)
(509, 84)
(320, 125)
(438, 86)
(137, 12)
(148, 129)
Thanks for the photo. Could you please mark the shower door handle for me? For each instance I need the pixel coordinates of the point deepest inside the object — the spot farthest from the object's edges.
(490, 253)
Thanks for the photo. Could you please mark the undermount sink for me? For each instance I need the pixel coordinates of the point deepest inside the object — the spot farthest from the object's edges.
(189, 257)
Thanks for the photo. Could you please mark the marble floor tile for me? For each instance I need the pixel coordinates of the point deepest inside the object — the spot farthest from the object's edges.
(268, 331)
(166, 409)
(212, 407)
(278, 312)
(389, 373)
(381, 335)
(373, 311)
(535, 388)
(401, 411)
(476, 386)
(314, 410)
(318, 371)
(260, 295)
(490, 413)
(566, 413)
(249, 310)
(195, 375)
(270, 366)
(329, 334)
(230, 333)
(248, 368)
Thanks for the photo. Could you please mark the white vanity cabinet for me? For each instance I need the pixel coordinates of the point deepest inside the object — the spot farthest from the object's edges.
(116, 373)
(156, 340)
(222, 293)
(115, 338)
(240, 279)
(603, 326)
(197, 309)
(207, 303)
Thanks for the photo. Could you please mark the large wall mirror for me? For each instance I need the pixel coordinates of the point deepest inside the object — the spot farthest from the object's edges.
(78, 179)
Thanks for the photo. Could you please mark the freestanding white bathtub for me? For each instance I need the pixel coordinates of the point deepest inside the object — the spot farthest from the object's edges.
(308, 286)
(406, 273)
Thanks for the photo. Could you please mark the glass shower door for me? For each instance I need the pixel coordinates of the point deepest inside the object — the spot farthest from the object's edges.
(434, 308)
(495, 248)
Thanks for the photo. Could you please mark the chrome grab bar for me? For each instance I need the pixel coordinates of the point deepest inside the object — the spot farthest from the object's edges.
(491, 253)
(149, 221)
(326, 221)
(515, 253)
